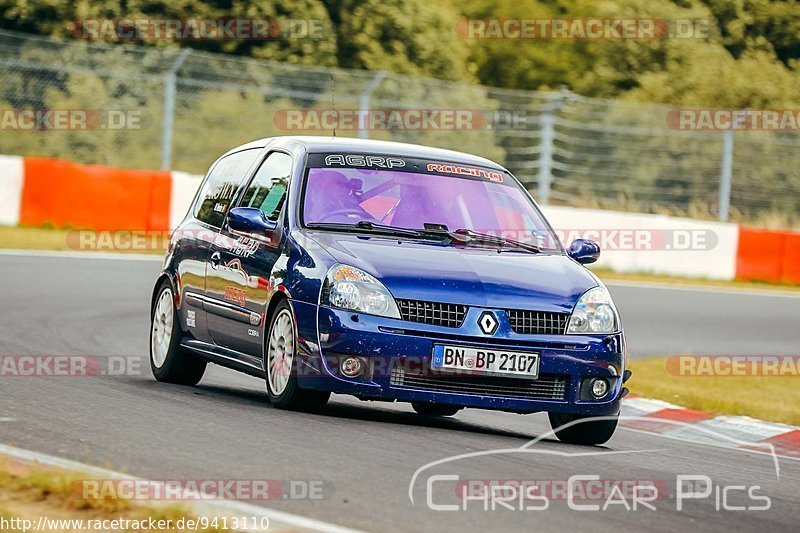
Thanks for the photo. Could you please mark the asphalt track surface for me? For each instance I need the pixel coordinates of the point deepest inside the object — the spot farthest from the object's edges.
(367, 453)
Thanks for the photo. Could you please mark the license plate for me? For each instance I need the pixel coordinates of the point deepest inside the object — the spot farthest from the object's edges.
(485, 361)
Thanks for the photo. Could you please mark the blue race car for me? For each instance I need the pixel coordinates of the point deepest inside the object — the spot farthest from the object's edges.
(390, 272)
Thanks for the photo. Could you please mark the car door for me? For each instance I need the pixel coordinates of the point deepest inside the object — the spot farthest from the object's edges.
(198, 231)
(241, 264)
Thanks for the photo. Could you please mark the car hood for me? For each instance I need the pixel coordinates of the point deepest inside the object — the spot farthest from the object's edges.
(440, 272)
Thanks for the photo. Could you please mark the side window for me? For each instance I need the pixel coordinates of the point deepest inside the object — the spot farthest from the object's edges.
(221, 186)
(267, 191)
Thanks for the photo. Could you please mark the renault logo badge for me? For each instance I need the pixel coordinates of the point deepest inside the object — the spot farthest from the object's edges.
(488, 323)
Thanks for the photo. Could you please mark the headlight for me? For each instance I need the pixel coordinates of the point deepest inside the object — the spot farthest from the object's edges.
(347, 287)
(594, 313)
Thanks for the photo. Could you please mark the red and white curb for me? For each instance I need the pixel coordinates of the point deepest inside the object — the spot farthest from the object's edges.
(741, 432)
(202, 506)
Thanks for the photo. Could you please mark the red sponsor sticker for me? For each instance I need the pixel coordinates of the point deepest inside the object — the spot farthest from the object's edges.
(235, 294)
(465, 171)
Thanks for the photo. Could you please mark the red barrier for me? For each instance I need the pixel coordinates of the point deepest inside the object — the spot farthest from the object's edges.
(791, 258)
(767, 255)
(66, 194)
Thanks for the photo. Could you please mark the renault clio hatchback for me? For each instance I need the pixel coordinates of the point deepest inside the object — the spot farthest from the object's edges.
(390, 272)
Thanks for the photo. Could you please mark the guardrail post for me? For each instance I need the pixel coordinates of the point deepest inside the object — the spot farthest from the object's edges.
(364, 103)
(547, 136)
(725, 175)
(170, 82)
(547, 144)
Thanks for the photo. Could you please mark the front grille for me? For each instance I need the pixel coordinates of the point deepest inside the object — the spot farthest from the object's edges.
(537, 322)
(546, 387)
(433, 313)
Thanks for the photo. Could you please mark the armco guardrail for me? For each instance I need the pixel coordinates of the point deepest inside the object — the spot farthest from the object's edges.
(48, 191)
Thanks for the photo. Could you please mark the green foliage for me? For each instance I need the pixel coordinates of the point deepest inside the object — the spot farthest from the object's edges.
(62, 18)
(413, 37)
(748, 42)
(748, 24)
(751, 41)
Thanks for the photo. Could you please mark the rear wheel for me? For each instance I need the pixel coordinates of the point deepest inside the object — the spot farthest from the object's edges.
(435, 409)
(586, 429)
(169, 362)
(281, 365)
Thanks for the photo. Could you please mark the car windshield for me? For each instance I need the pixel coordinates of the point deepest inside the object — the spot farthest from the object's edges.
(480, 201)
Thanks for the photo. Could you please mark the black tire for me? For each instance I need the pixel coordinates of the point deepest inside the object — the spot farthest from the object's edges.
(179, 366)
(435, 409)
(287, 395)
(589, 432)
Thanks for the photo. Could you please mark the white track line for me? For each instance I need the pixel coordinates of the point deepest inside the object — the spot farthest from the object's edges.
(234, 508)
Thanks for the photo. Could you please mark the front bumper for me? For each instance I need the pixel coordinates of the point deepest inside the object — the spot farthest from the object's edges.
(398, 357)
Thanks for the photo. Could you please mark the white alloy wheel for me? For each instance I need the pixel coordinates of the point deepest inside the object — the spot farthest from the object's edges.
(161, 332)
(280, 352)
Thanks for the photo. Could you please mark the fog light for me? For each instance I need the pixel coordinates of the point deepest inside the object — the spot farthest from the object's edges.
(352, 367)
(599, 387)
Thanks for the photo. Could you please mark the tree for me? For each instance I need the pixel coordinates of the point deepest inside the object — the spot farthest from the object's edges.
(413, 37)
(67, 18)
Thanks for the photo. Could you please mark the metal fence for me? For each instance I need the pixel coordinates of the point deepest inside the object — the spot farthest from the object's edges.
(177, 108)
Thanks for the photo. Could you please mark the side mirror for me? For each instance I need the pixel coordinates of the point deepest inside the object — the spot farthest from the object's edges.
(584, 251)
(249, 220)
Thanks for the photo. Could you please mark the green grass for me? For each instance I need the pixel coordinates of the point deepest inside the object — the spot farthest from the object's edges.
(24, 238)
(33, 238)
(772, 398)
(31, 491)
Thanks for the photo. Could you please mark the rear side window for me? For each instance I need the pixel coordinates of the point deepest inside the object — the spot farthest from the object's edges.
(267, 191)
(221, 185)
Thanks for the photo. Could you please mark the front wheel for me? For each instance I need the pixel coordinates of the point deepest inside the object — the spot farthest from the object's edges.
(435, 409)
(281, 366)
(586, 429)
(169, 362)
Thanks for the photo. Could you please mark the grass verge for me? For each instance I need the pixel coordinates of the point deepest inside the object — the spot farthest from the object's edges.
(23, 238)
(29, 492)
(33, 238)
(772, 398)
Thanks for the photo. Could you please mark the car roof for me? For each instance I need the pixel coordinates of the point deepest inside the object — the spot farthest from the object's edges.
(315, 144)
